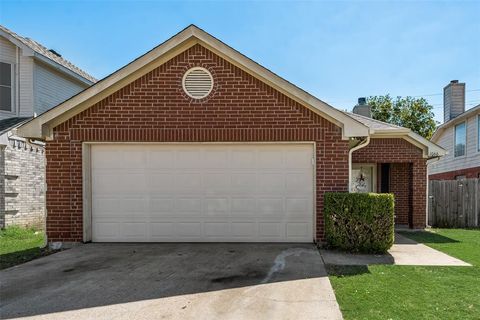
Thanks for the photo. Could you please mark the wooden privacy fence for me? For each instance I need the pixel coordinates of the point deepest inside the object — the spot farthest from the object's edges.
(454, 203)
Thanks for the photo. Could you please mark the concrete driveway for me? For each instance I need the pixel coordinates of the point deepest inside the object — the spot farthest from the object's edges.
(171, 281)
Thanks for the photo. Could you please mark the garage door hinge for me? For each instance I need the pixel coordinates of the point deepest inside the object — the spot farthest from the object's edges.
(313, 161)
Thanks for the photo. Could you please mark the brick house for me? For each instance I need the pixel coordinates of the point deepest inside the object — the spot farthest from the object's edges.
(195, 142)
(33, 79)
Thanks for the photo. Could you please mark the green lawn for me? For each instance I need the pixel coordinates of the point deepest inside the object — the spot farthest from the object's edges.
(19, 245)
(406, 292)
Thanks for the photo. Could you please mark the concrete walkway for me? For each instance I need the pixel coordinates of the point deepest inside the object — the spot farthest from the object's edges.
(171, 281)
(404, 252)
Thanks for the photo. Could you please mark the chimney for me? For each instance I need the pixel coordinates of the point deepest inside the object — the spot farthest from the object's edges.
(453, 100)
(362, 108)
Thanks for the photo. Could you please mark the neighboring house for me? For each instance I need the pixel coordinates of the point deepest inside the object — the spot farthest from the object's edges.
(459, 135)
(193, 141)
(33, 79)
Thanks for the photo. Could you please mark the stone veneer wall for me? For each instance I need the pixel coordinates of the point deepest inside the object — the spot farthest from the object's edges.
(22, 186)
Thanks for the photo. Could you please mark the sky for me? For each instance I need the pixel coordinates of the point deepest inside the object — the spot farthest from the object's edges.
(335, 50)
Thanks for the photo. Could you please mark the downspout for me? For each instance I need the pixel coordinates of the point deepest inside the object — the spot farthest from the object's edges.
(361, 145)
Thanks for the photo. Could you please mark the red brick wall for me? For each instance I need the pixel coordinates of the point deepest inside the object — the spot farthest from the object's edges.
(400, 184)
(155, 109)
(451, 175)
(407, 159)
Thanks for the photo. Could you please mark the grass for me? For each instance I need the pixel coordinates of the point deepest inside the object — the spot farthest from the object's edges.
(19, 245)
(409, 292)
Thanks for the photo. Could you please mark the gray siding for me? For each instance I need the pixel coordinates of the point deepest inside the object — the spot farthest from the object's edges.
(26, 87)
(23, 91)
(446, 140)
(52, 88)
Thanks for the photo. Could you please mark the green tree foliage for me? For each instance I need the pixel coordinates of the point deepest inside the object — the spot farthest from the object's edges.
(409, 112)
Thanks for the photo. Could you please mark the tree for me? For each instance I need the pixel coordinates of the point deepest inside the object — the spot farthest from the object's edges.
(409, 112)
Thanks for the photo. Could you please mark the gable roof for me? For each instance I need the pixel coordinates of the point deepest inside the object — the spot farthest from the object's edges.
(352, 125)
(42, 52)
(41, 127)
(380, 129)
(377, 125)
(454, 121)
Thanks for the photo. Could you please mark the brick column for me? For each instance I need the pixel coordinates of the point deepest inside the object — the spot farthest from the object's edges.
(419, 196)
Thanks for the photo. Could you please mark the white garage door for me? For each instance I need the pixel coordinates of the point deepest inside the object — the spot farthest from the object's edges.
(202, 192)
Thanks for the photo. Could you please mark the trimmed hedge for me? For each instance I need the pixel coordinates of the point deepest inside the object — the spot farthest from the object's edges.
(359, 222)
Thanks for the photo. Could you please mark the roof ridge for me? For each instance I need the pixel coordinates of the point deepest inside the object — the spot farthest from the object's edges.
(44, 51)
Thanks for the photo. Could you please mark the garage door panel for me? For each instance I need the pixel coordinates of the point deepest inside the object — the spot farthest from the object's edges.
(243, 205)
(217, 229)
(298, 158)
(188, 205)
(161, 206)
(105, 231)
(188, 183)
(202, 193)
(188, 229)
(134, 230)
(217, 207)
(160, 230)
(215, 159)
(216, 183)
(297, 230)
(112, 183)
(244, 229)
(270, 183)
(299, 205)
(270, 159)
(111, 206)
(297, 183)
(271, 230)
(188, 159)
(160, 182)
(243, 158)
(161, 159)
(243, 183)
(270, 206)
(102, 158)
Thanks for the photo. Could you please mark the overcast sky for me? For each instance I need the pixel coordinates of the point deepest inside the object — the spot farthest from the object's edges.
(338, 51)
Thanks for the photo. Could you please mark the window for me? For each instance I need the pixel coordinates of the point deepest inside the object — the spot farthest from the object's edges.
(363, 178)
(460, 140)
(6, 92)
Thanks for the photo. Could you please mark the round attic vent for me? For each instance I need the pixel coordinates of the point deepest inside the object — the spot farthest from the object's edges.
(197, 83)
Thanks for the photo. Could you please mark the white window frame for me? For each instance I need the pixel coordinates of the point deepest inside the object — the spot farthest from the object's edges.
(12, 88)
(455, 140)
(373, 166)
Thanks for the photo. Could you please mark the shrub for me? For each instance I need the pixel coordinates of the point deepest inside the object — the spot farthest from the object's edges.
(359, 222)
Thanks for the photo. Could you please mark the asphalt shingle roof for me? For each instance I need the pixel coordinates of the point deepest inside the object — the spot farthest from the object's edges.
(40, 49)
(375, 124)
(10, 123)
